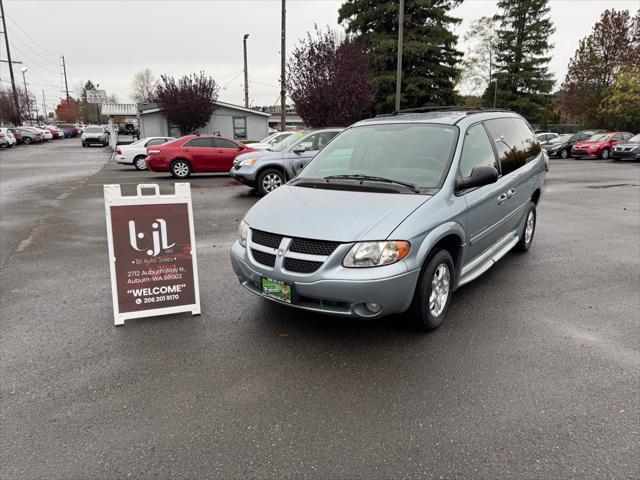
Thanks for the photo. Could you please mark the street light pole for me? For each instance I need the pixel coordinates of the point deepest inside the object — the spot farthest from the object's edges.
(495, 91)
(246, 73)
(399, 64)
(26, 93)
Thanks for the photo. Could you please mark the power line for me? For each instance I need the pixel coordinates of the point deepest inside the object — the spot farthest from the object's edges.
(25, 44)
(31, 59)
(29, 37)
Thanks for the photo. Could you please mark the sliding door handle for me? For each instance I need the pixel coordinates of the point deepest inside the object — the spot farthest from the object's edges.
(502, 198)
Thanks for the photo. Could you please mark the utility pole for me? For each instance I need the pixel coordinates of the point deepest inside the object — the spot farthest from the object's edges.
(44, 106)
(66, 85)
(246, 73)
(13, 80)
(283, 58)
(399, 63)
(26, 93)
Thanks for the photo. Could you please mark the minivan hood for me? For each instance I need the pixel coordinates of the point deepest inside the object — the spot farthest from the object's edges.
(336, 215)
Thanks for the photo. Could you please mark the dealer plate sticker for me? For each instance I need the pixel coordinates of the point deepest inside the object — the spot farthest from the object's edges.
(276, 289)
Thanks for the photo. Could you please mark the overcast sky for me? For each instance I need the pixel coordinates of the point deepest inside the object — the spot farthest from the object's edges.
(109, 41)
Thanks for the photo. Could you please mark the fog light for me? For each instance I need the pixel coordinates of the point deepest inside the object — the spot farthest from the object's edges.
(373, 307)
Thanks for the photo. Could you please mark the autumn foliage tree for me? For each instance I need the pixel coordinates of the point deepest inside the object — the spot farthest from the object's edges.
(329, 80)
(187, 102)
(612, 47)
(68, 111)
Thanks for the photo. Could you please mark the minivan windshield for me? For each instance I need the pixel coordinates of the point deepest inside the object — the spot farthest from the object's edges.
(414, 154)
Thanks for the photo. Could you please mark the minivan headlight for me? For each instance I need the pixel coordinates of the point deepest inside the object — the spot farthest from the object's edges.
(376, 254)
(243, 232)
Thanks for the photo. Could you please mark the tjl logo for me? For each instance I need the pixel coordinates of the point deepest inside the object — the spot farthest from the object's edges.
(159, 236)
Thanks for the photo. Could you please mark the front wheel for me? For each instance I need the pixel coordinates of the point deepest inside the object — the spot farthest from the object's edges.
(605, 154)
(526, 237)
(180, 169)
(140, 162)
(564, 154)
(26, 140)
(269, 180)
(433, 293)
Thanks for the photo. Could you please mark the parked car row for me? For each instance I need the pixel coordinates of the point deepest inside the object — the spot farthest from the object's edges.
(27, 134)
(590, 143)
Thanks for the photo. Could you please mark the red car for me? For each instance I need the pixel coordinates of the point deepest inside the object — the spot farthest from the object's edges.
(599, 145)
(195, 154)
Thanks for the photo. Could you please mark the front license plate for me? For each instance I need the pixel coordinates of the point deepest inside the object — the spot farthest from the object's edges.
(276, 289)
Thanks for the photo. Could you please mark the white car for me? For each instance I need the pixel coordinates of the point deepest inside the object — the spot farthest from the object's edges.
(6, 138)
(546, 137)
(270, 141)
(46, 134)
(136, 153)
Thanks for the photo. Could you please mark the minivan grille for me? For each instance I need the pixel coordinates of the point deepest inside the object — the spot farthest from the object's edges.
(267, 239)
(312, 247)
(301, 266)
(264, 258)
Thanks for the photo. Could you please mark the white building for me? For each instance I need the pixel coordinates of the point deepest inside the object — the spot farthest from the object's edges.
(228, 120)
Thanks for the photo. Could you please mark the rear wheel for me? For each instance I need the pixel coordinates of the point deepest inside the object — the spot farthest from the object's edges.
(433, 293)
(180, 169)
(564, 153)
(140, 162)
(26, 140)
(605, 154)
(269, 180)
(529, 229)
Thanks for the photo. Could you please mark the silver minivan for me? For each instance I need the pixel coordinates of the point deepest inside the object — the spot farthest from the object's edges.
(396, 213)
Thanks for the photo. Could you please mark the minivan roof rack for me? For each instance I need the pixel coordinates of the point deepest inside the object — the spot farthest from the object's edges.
(447, 108)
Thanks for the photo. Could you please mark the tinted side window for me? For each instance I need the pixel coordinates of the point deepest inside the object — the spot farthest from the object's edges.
(202, 142)
(514, 141)
(223, 143)
(530, 143)
(322, 139)
(476, 151)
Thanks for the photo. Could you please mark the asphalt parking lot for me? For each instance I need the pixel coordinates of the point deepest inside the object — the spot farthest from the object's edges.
(535, 373)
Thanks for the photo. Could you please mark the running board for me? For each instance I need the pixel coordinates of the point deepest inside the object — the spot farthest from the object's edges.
(485, 261)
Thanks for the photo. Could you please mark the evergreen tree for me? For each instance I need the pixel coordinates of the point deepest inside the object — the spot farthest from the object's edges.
(522, 59)
(429, 50)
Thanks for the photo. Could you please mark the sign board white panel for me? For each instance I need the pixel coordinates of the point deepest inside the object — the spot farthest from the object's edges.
(152, 252)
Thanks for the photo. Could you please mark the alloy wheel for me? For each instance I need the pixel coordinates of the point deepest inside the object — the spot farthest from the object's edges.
(440, 285)
(530, 225)
(141, 163)
(271, 181)
(564, 154)
(181, 169)
(605, 154)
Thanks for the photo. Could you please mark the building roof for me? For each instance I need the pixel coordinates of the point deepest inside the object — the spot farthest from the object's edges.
(145, 108)
(124, 109)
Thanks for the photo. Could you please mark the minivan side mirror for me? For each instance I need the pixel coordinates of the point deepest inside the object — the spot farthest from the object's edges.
(480, 176)
(299, 150)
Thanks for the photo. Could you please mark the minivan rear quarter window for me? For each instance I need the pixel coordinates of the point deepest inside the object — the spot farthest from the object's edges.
(515, 142)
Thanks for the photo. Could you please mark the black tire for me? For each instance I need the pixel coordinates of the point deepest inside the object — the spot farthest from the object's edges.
(105, 144)
(268, 180)
(564, 154)
(420, 312)
(84, 144)
(605, 155)
(140, 162)
(180, 169)
(26, 141)
(525, 241)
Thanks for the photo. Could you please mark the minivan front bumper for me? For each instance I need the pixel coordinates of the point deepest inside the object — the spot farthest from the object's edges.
(344, 294)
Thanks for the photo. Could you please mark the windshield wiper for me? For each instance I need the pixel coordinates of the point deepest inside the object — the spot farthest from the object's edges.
(372, 178)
